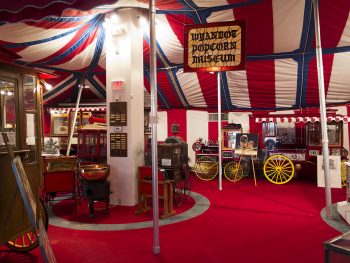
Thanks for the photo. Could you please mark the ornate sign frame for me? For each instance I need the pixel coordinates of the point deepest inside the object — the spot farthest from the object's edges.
(214, 47)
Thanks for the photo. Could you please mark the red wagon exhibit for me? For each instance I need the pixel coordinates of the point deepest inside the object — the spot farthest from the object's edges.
(287, 143)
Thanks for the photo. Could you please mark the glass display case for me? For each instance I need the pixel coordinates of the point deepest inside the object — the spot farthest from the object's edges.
(283, 133)
(334, 133)
(20, 111)
(61, 122)
(228, 135)
(338, 249)
(92, 145)
(8, 118)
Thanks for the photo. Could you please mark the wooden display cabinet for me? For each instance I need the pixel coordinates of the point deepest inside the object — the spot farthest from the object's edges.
(20, 100)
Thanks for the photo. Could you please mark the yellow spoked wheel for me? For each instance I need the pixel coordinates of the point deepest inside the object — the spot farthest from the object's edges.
(343, 173)
(206, 168)
(233, 171)
(278, 169)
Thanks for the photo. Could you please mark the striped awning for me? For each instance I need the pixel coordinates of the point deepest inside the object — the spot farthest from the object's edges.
(68, 109)
(294, 119)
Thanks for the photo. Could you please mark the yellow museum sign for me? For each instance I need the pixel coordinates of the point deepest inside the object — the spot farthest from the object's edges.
(214, 47)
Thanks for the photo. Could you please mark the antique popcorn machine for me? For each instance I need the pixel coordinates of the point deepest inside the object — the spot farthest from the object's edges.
(173, 158)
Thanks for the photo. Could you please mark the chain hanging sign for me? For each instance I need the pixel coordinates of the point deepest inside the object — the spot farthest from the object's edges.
(214, 47)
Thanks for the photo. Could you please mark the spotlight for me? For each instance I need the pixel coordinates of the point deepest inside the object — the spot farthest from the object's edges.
(142, 21)
(114, 18)
(48, 86)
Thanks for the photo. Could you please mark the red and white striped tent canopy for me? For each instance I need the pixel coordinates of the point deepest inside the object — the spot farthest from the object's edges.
(280, 68)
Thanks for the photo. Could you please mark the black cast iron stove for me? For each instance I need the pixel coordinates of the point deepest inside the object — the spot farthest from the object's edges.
(96, 187)
(96, 191)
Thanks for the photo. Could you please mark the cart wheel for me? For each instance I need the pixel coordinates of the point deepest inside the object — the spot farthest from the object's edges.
(233, 171)
(187, 188)
(278, 169)
(206, 168)
(28, 241)
(187, 185)
(77, 196)
(49, 198)
(177, 192)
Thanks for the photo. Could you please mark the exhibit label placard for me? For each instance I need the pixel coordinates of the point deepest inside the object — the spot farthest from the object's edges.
(214, 47)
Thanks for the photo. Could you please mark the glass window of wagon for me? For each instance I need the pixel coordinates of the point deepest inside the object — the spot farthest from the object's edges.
(286, 132)
(8, 98)
(30, 105)
(334, 133)
(315, 134)
(269, 129)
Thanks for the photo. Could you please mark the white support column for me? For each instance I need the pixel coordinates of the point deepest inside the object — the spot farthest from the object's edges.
(323, 115)
(124, 62)
(219, 129)
(72, 128)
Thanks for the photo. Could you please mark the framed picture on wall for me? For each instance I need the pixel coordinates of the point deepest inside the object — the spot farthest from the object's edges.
(51, 146)
(59, 124)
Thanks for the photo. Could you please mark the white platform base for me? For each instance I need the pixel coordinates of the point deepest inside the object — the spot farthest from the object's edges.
(343, 209)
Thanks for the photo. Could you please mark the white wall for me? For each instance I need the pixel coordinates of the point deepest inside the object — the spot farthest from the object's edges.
(240, 118)
(162, 126)
(197, 126)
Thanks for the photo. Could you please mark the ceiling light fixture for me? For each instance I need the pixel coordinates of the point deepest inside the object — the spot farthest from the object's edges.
(48, 86)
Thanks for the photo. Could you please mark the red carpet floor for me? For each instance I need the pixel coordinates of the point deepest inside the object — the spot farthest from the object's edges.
(267, 223)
